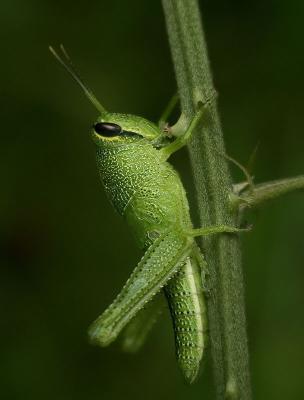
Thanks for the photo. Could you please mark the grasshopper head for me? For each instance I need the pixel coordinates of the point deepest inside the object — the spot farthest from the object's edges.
(120, 128)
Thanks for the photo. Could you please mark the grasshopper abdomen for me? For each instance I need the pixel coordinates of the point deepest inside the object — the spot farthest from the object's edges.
(185, 298)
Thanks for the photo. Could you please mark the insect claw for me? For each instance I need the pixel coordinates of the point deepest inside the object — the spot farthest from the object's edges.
(246, 227)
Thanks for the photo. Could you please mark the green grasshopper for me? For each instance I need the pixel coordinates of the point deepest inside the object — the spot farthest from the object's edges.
(144, 188)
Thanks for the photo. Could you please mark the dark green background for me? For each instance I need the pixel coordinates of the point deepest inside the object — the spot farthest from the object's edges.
(65, 253)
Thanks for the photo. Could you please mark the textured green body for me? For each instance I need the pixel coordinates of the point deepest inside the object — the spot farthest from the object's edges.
(147, 191)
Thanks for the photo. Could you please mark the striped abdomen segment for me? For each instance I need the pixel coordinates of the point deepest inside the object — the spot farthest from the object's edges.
(185, 297)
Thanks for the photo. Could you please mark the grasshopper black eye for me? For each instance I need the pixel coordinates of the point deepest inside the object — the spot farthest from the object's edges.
(107, 129)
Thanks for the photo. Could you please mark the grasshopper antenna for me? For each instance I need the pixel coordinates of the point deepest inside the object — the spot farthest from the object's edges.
(69, 66)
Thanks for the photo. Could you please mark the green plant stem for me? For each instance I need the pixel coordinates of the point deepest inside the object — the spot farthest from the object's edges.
(226, 310)
(266, 191)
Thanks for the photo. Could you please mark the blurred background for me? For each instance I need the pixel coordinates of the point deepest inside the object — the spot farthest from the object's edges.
(65, 253)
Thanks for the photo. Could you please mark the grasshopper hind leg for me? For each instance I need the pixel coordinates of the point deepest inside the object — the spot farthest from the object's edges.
(159, 263)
